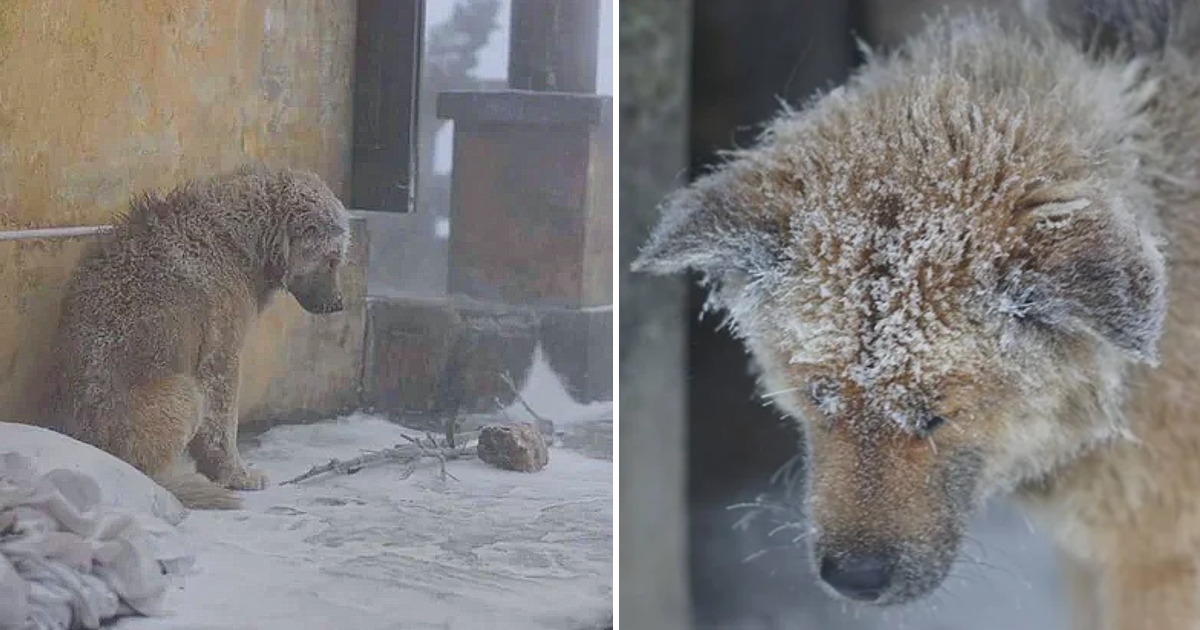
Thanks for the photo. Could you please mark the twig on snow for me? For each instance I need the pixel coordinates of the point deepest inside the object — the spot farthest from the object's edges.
(541, 420)
(433, 450)
(410, 454)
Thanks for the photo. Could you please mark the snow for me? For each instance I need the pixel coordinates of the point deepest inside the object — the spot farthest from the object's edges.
(122, 486)
(494, 549)
(544, 392)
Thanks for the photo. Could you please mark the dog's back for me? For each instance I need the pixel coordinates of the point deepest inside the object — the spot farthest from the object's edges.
(130, 338)
(131, 313)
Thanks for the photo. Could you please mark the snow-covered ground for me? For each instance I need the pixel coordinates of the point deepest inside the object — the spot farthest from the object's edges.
(490, 549)
(493, 549)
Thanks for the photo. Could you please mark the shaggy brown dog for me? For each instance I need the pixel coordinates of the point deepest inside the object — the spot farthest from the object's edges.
(154, 318)
(975, 269)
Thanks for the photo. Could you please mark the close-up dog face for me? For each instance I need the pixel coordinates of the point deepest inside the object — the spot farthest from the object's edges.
(908, 430)
(934, 290)
(318, 236)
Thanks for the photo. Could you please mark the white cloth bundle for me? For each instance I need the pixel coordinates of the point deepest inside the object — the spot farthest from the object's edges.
(67, 561)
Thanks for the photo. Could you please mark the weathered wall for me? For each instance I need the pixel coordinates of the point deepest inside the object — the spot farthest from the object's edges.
(100, 99)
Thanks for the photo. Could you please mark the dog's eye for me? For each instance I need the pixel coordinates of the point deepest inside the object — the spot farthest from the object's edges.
(823, 395)
(932, 422)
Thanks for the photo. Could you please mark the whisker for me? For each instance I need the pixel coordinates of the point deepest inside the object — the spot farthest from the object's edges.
(765, 550)
(745, 521)
(755, 556)
(784, 527)
(780, 392)
(968, 561)
(788, 470)
(986, 550)
(765, 507)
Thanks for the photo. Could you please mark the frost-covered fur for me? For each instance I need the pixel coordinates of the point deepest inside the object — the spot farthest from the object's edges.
(145, 361)
(972, 270)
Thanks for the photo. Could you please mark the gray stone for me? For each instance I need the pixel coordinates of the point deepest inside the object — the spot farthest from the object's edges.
(519, 447)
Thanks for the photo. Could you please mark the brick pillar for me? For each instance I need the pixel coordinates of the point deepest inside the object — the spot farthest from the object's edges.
(531, 202)
(530, 252)
(531, 219)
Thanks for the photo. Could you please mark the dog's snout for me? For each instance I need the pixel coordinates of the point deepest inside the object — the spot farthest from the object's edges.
(860, 577)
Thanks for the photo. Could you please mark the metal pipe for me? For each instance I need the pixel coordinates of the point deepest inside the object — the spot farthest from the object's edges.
(51, 233)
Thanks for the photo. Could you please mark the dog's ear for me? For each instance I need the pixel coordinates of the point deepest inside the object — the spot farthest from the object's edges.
(1090, 267)
(714, 226)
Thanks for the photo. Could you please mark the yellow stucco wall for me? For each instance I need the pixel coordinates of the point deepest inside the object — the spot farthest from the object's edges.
(102, 98)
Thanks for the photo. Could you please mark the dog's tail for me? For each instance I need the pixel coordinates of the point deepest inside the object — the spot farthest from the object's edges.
(197, 492)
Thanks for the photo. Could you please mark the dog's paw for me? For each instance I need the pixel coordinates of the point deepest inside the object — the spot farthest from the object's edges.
(247, 479)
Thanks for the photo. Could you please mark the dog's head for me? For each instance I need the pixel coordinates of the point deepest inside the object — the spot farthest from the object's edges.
(310, 242)
(943, 286)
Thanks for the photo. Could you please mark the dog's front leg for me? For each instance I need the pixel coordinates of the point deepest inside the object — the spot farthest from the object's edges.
(215, 446)
(1143, 593)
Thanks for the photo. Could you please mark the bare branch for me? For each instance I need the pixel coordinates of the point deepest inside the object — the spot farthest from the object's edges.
(409, 454)
(504, 376)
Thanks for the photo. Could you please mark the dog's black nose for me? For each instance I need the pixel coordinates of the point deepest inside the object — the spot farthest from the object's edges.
(864, 578)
